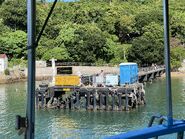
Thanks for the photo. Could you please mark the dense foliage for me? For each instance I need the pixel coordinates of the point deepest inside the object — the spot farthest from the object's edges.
(96, 31)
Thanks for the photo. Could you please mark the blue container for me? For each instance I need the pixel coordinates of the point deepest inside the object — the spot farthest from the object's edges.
(128, 73)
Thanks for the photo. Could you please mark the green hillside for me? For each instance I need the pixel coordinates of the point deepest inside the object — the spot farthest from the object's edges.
(96, 31)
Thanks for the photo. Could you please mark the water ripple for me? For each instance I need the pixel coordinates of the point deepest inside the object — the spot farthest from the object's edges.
(65, 124)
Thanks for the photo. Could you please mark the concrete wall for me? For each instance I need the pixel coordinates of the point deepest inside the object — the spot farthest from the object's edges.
(47, 71)
(87, 70)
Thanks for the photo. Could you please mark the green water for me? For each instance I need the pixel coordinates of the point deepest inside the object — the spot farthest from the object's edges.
(66, 124)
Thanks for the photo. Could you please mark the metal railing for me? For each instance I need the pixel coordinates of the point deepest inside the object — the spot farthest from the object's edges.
(147, 69)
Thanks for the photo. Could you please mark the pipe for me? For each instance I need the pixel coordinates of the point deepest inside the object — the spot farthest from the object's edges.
(45, 23)
(167, 62)
(31, 31)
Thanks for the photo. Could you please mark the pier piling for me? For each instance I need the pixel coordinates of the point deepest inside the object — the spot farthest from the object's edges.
(93, 98)
(77, 100)
(119, 102)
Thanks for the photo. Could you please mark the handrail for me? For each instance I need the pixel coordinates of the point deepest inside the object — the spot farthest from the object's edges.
(146, 69)
(173, 126)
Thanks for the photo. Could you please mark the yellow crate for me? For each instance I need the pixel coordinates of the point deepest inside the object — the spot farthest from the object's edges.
(67, 80)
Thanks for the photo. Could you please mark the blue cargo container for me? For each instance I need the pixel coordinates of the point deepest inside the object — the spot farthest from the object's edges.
(128, 73)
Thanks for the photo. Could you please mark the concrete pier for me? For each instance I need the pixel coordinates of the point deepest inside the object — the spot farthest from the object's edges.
(119, 98)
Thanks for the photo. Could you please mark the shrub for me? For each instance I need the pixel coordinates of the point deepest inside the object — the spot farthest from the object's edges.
(7, 72)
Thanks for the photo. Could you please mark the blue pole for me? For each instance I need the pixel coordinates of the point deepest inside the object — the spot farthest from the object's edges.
(30, 112)
(167, 62)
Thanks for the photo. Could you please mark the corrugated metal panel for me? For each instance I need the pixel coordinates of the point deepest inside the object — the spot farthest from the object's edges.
(70, 80)
(111, 80)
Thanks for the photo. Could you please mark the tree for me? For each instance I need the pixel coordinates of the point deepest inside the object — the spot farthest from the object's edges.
(91, 43)
(146, 16)
(98, 31)
(3, 29)
(14, 14)
(85, 43)
(120, 52)
(177, 25)
(107, 21)
(148, 48)
(58, 53)
(124, 28)
(14, 44)
(1, 1)
(177, 56)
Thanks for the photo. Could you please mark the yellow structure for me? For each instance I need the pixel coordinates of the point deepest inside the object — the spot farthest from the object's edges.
(67, 80)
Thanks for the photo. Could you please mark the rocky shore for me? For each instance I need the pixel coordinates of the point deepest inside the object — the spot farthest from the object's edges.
(19, 76)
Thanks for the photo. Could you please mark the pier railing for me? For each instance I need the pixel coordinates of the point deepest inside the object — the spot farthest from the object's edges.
(151, 68)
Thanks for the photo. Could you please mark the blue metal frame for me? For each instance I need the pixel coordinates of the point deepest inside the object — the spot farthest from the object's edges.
(172, 126)
(153, 131)
(167, 62)
(32, 44)
(31, 33)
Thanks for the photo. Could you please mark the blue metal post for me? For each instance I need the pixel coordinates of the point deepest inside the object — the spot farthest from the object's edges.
(167, 62)
(30, 112)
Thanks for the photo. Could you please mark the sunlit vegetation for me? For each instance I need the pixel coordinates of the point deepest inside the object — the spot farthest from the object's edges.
(96, 31)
